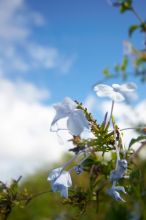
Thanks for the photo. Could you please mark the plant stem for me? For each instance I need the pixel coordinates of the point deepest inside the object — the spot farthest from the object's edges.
(74, 157)
(69, 161)
(112, 107)
(71, 169)
(137, 151)
(84, 159)
(117, 148)
(137, 15)
(132, 128)
(5, 215)
(121, 139)
(36, 195)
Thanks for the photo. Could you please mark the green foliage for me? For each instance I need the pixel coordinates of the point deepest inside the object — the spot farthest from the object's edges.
(106, 72)
(11, 197)
(81, 205)
(138, 55)
(132, 29)
(103, 140)
(125, 5)
(135, 140)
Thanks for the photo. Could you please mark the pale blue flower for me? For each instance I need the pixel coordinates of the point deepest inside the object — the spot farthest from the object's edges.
(76, 120)
(120, 189)
(120, 171)
(78, 169)
(114, 193)
(60, 181)
(115, 92)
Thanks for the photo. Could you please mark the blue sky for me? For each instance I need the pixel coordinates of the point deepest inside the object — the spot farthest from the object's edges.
(48, 50)
(92, 33)
(88, 36)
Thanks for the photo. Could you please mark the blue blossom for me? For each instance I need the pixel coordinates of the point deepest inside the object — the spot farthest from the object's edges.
(78, 169)
(114, 193)
(76, 120)
(115, 92)
(120, 171)
(120, 189)
(60, 181)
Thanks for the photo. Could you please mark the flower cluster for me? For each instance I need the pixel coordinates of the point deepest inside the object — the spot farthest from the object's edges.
(78, 119)
(115, 92)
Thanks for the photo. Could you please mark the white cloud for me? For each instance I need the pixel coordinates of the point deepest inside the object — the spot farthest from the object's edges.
(17, 50)
(14, 24)
(49, 58)
(90, 103)
(25, 140)
(10, 14)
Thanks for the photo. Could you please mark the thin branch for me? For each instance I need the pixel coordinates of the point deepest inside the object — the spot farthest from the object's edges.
(36, 195)
(137, 151)
(137, 15)
(112, 107)
(133, 128)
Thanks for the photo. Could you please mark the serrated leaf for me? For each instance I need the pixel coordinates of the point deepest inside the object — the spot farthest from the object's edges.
(132, 29)
(135, 140)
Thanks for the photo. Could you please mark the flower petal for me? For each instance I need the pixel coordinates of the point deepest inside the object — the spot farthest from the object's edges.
(54, 174)
(120, 189)
(115, 195)
(62, 110)
(77, 122)
(127, 87)
(64, 179)
(116, 96)
(102, 90)
(120, 171)
(60, 181)
(69, 104)
(64, 192)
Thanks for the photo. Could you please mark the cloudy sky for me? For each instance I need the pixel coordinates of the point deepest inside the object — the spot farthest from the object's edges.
(48, 50)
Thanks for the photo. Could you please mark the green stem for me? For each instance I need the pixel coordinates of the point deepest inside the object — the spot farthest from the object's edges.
(121, 139)
(132, 128)
(71, 169)
(112, 107)
(137, 151)
(137, 15)
(70, 161)
(116, 144)
(37, 195)
(73, 158)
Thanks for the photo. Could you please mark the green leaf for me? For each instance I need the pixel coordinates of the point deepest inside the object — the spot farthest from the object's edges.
(135, 140)
(106, 72)
(124, 64)
(133, 28)
(126, 5)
